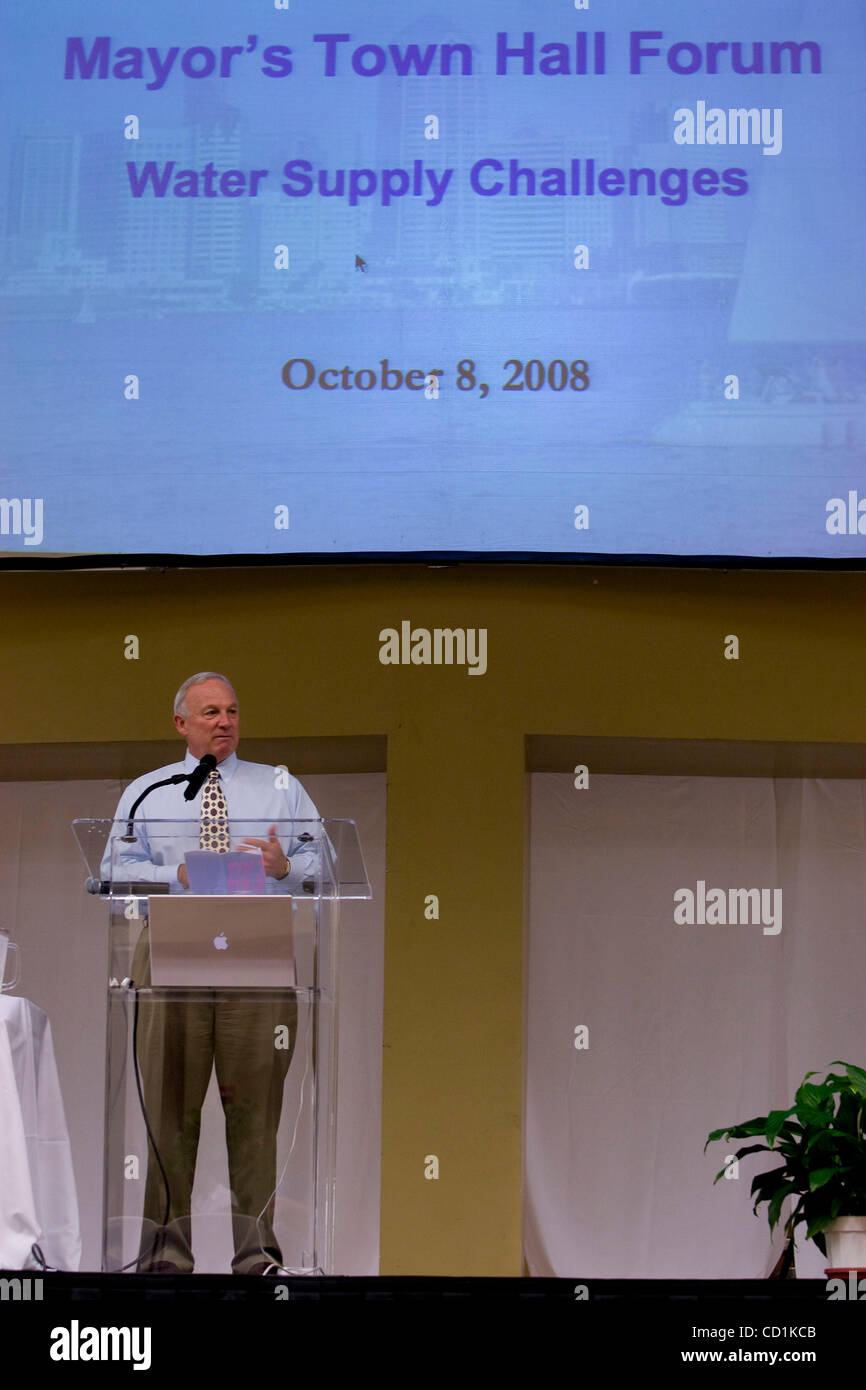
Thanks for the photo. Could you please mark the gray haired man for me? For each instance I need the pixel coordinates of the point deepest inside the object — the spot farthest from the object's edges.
(180, 1043)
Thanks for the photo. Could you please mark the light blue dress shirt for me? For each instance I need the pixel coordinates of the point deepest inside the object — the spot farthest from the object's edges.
(257, 796)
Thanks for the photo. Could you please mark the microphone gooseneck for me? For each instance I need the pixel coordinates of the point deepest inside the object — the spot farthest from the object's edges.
(130, 837)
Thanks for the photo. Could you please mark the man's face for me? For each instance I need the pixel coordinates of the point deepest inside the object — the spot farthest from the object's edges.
(211, 723)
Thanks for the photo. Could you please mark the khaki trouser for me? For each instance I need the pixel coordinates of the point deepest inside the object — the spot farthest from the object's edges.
(178, 1045)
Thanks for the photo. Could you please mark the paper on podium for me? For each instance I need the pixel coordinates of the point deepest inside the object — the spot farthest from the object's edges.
(239, 871)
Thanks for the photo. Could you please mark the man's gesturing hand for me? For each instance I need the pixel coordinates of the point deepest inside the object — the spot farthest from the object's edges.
(276, 863)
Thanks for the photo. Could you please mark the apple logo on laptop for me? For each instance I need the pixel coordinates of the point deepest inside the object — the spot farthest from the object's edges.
(220, 942)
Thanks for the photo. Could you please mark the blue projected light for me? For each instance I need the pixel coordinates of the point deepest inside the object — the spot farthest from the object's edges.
(531, 277)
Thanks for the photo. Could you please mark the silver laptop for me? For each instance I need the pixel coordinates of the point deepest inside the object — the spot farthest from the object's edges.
(228, 942)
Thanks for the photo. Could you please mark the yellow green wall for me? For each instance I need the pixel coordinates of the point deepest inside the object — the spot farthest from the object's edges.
(601, 652)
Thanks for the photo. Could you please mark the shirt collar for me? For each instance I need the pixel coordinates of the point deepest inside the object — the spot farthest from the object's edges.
(226, 768)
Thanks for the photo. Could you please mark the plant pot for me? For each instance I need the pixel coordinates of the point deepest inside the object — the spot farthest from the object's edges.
(846, 1244)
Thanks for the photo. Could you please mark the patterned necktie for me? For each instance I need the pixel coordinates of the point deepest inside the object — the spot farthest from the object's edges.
(214, 829)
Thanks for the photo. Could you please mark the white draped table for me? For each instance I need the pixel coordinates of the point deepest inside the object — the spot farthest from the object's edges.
(38, 1200)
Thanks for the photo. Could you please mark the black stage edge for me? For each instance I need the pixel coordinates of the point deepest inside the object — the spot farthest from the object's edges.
(62, 1288)
(88, 1324)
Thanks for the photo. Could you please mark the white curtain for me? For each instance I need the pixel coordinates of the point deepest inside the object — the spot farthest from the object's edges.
(62, 933)
(689, 1027)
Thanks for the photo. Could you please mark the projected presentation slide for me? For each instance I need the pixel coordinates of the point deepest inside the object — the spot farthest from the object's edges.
(487, 277)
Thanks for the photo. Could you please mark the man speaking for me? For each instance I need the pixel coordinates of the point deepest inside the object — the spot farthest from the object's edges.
(180, 1043)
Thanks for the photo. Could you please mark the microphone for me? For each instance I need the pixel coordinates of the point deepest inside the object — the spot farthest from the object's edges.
(198, 777)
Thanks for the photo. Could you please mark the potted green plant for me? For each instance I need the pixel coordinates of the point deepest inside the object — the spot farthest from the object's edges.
(821, 1140)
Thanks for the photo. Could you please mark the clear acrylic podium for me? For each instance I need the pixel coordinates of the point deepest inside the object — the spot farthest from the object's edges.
(222, 1043)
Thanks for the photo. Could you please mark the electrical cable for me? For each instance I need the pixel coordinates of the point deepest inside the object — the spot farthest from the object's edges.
(160, 1236)
(300, 1111)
